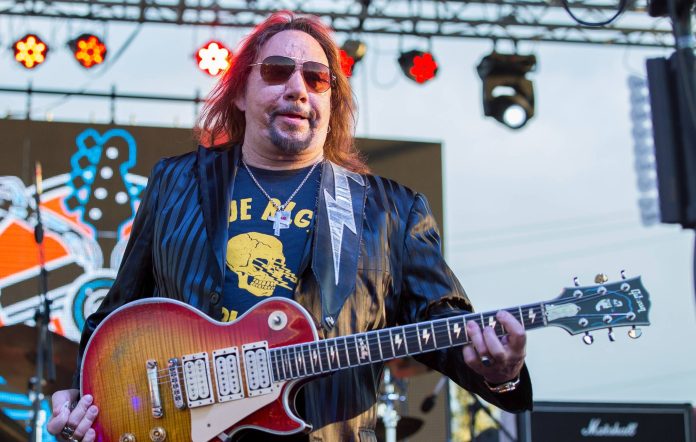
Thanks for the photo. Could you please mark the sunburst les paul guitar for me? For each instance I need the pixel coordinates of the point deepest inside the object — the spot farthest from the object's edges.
(161, 370)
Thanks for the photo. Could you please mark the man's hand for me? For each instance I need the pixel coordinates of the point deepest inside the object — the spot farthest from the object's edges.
(498, 360)
(71, 415)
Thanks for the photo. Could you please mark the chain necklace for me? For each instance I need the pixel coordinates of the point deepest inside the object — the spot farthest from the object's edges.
(282, 218)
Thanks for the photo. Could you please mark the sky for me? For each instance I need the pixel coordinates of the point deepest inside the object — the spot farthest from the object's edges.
(525, 211)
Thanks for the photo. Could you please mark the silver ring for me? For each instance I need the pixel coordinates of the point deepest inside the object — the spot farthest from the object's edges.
(486, 361)
(67, 432)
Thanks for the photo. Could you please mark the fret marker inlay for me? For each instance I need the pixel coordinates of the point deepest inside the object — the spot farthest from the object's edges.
(532, 315)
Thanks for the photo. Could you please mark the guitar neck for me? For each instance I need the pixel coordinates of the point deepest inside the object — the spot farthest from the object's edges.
(329, 355)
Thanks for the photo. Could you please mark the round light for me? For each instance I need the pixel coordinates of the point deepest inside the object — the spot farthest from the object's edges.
(514, 116)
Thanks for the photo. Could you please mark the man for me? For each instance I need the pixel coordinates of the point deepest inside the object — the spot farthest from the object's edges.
(285, 208)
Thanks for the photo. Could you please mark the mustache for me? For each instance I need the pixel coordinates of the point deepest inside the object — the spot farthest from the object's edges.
(310, 114)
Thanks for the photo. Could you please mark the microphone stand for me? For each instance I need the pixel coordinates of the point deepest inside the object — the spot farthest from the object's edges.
(42, 317)
(478, 405)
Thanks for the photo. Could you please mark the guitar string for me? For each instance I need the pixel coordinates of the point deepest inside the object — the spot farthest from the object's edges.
(537, 309)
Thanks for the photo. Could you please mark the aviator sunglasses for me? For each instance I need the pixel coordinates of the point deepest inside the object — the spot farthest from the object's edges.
(277, 69)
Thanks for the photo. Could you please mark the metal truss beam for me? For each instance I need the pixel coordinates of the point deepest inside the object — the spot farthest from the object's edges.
(514, 20)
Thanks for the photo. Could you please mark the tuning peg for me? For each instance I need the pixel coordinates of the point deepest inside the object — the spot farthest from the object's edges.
(588, 338)
(601, 278)
(576, 281)
(634, 332)
(612, 338)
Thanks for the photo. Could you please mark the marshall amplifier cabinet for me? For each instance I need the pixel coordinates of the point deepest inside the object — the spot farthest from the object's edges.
(606, 422)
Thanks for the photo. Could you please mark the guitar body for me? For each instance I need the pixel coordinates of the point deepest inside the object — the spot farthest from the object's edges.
(115, 371)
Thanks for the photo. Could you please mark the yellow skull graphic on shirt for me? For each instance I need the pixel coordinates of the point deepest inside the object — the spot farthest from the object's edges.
(259, 263)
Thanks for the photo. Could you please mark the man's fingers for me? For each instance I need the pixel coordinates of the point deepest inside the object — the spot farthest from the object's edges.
(495, 347)
(57, 422)
(471, 358)
(80, 411)
(476, 339)
(86, 423)
(63, 398)
(517, 338)
(90, 436)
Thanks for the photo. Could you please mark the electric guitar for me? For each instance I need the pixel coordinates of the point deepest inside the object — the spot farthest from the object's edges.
(161, 370)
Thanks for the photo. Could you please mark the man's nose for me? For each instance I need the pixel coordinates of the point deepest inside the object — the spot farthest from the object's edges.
(295, 87)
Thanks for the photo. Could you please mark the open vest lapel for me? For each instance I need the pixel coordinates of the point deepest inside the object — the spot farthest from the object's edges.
(338, 231)
(216, 172)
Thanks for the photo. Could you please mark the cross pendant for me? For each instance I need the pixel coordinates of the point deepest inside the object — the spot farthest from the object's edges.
(281, 220)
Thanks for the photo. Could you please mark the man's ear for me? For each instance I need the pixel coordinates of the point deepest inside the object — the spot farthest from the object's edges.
(240, 102)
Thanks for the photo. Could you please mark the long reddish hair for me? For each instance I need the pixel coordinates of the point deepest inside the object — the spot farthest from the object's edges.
(222, 121)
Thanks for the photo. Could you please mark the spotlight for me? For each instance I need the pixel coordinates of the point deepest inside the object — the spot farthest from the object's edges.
(419, 66)
(30, 51)
(88, 49)
(213, 58)
(508, 96)
(352, 52)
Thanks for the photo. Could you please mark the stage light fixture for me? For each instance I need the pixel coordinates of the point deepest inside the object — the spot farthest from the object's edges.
(30, 51)
(418, 66)
(508, 96)
(352, 51)
(213, 58)
(88, 49)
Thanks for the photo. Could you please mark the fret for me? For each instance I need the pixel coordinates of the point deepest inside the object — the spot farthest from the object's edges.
(543, 313)
(482, 321)
(426, 336)
(457, 329)
(352, 350)
(342, 352)
(307, 358)
(412, 338)
(274, 364)
(521, 318)
(385, 344)
(296, 360)
(288, 362)
(281, 363)
(441, 333)
(324, 361)
(363, 350)
(398, 342)
(314, 358)
(373, 343)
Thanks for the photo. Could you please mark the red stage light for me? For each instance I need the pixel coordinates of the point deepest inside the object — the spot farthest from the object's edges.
(418, 66)
(30, 51)
(213, 58)
(88, 50)
(347, 63)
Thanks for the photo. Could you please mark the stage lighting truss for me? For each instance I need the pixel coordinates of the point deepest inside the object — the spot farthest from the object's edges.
(418, 66)
(30, 51)
(508, 96)
(213, 58)
(88, 49)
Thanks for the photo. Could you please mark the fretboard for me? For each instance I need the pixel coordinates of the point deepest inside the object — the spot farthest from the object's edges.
(334, 354)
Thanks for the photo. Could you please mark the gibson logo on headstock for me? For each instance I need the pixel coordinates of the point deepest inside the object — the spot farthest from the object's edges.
(638, 296)
(596, 428)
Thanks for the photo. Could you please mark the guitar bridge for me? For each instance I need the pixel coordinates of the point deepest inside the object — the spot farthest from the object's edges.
(153, 387)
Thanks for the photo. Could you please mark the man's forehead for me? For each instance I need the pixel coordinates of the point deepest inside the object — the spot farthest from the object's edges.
(295, 44)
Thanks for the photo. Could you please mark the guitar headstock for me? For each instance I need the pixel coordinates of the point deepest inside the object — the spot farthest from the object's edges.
(581, 309)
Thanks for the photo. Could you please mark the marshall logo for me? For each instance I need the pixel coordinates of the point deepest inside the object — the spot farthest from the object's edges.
(598, 429)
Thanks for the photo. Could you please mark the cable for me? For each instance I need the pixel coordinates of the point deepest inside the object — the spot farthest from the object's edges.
(622, 8)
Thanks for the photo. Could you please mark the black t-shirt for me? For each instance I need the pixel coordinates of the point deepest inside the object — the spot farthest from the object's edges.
(259, 263)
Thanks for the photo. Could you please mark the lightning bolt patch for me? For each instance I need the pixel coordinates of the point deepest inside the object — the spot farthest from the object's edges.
(426, 335)
(340, 211)
(397, 340)
(457, 329)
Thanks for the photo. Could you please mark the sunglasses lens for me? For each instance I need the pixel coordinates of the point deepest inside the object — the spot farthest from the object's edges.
(317, 76)
(277, 69)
